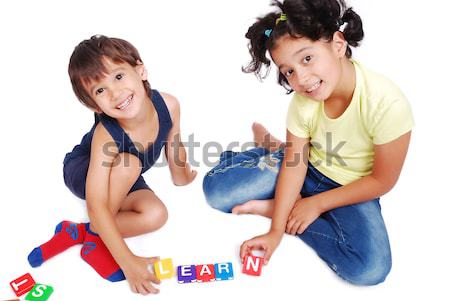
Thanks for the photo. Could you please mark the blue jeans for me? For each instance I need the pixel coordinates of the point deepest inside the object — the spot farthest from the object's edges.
(352, 240)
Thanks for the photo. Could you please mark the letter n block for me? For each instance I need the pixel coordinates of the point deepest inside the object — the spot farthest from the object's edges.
(205, 273)
(164, 268)
(40, 292)
(186, 274)
(252, 265)
(23, 284)
(223, 271)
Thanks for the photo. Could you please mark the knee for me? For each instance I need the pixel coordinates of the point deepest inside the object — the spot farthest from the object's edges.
(370, 272)
(155, 216)
(127, 166)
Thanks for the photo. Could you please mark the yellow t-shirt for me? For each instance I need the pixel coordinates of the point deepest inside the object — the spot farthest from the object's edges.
(342, 148)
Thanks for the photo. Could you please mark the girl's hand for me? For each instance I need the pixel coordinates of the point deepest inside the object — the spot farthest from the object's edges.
(304, 213)
(139, 276)
(267, 242)
(187, 177)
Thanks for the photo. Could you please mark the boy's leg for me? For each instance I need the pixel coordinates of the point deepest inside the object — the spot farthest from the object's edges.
(130, 210)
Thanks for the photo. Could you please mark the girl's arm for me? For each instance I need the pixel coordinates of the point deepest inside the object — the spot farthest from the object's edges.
(388, 162)
(175, 152)
(289, 183)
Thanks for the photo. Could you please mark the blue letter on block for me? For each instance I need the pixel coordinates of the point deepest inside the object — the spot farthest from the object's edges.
(186, 274)
(223, 271)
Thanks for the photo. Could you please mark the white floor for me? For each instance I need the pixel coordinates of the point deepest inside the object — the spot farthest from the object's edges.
(194, 50)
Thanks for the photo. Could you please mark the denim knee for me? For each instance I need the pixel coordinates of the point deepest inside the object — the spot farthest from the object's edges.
(370, 272)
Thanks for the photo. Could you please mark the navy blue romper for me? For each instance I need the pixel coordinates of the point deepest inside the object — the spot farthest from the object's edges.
(76, 163)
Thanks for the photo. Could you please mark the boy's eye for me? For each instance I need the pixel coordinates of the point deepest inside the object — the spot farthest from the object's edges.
(119, 76)
(307, 59)
(99, 91)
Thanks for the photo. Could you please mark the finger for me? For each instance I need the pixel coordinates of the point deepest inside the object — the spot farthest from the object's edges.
(150, 288)
(154, 279)
(302, 228)
(133, 288)
(141, 290)
(267, 255)
(152, 260)
(243, 251)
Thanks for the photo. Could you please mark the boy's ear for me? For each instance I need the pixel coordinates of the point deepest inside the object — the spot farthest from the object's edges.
(141, 70)
(339, 44)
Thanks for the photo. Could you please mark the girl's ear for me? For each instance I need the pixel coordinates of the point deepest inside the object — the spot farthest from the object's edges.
(339, 44)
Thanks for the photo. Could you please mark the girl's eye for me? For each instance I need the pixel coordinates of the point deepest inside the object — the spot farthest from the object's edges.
(99, 91)
(119, 76)
(288, 73)
(307, 59)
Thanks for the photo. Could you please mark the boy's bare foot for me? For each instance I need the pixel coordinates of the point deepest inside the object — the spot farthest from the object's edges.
(263, 138)
(258, 207)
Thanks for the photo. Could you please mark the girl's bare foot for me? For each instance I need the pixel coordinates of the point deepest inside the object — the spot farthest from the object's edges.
(263, 138)
(258, 207)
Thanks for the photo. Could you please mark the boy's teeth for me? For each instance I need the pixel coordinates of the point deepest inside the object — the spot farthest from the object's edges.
(124, 104)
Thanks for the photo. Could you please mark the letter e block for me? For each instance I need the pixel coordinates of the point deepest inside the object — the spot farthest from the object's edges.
(23, 284)
(164, 268)
(40, 292)
(252, 265)
(205, 273)
(224, 271)
(186, 273)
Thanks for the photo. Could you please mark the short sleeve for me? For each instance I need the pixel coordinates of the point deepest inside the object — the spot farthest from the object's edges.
(392, 120)
(297, 119)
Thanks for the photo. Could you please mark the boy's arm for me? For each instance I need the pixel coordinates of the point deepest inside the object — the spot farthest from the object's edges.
(388, 162)
(102, 219)
(175, 152)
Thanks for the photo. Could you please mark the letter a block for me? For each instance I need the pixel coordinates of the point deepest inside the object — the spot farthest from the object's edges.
(223, 271)
(164, 268)
(40, 292)
(23, 284)
(205, 273)
(186, 274)
(252, 265)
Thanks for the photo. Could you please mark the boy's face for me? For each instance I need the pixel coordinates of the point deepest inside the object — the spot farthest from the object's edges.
(121, 93)
(312, 68)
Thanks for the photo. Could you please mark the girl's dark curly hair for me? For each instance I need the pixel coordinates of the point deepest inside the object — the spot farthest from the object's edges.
(313, 19)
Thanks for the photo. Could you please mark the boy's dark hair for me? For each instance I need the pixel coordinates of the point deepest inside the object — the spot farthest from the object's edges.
(313, 19)
(87, 63)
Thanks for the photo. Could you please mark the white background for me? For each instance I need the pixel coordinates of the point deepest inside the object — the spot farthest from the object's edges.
(194, 50)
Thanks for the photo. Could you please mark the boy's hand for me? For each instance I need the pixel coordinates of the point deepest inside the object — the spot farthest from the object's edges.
(304, 213)
(139, 276)
(267, 242)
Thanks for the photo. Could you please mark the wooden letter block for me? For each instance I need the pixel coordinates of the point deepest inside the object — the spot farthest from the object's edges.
(164, 268)
(186, 273)
(40, 292)
(252, 265)
(223, 271)
(205, 272)
(23, 284)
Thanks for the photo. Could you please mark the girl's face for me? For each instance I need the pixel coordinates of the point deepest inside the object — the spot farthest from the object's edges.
(120, 93)
(312, 68)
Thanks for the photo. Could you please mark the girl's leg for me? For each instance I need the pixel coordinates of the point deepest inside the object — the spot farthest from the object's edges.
(263, 138)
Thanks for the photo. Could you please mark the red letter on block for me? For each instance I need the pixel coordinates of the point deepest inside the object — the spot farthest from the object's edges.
(22, 285)
(252, 265)
(205, 273)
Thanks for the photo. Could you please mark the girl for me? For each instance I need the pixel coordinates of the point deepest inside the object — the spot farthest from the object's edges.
(348, 131)
(132, 125)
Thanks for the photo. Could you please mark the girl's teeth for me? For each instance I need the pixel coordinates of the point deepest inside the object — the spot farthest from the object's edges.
(316, 85)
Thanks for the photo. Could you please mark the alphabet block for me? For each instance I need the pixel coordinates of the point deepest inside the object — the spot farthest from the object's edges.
(22, 285)
(252, 265)
(223, 271)
(40, 292)
(164, 268)
(205, 272)
(186, 273)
